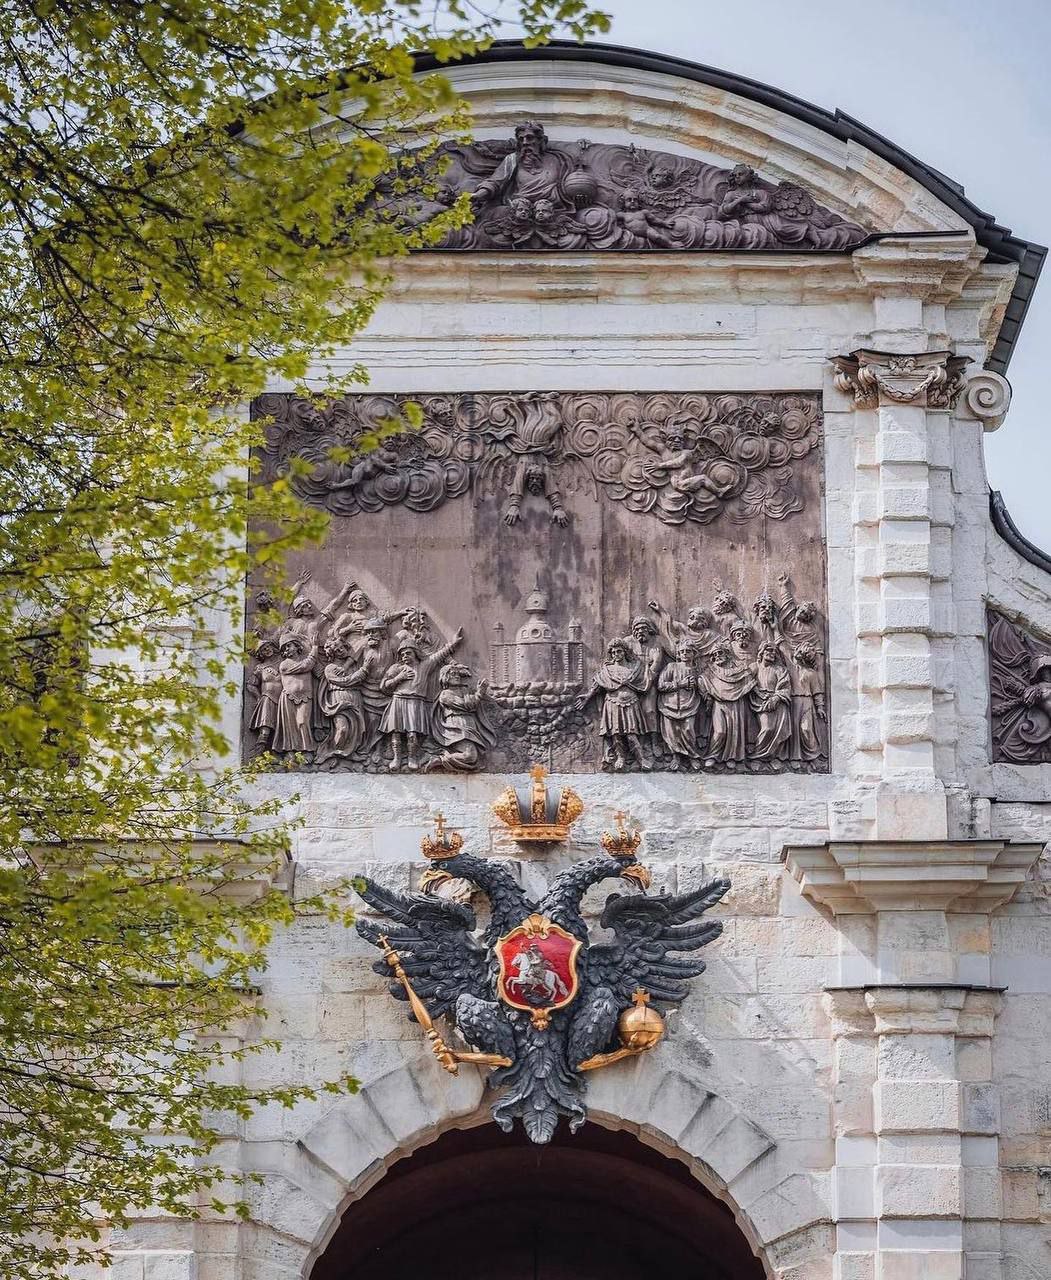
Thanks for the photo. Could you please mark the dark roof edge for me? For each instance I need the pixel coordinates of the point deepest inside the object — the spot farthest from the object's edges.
(1012, 535)
(1001, 244)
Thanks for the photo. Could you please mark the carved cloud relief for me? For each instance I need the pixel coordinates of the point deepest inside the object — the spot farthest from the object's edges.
(677, 458)
(529, 193)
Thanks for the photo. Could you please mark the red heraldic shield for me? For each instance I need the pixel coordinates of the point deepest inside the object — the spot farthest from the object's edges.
(538, 967)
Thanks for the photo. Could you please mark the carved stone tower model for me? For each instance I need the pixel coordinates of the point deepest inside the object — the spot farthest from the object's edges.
(691, 569)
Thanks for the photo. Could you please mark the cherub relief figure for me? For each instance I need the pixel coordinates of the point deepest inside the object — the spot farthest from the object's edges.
(649, 228)
(744, 194)
(676, 459)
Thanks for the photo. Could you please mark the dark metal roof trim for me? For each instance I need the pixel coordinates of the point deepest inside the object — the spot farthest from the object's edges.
(1001, 244)
(1012, 535)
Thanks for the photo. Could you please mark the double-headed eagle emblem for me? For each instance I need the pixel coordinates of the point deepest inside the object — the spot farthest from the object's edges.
(529, 994)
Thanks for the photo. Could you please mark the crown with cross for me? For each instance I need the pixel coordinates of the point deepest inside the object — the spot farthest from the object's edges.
(621, 843)
(444, 843)
(535, 813)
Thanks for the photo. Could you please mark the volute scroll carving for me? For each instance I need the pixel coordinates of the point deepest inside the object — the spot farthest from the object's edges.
(933, 378)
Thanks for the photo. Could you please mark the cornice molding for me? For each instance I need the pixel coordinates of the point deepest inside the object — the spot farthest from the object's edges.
(856, 878)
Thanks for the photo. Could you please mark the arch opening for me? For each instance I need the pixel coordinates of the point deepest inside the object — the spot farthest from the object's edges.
(478, 1204)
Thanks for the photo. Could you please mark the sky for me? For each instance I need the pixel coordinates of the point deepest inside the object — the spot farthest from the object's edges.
(964, 86)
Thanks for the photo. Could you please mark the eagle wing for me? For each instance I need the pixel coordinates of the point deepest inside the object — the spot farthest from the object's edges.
(484, 1024)
(646, 931)
(433, 940)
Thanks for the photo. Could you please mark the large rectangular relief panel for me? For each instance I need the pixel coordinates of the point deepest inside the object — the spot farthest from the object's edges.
(584, 580)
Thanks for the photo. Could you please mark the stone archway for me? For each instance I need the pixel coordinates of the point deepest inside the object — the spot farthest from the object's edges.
(478, 1204)
(307, 1186)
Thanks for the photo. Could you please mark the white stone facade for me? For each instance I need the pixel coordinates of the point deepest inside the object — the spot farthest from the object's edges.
(864, 1071)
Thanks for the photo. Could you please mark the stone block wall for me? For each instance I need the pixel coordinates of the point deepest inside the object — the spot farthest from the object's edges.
(863, 1072)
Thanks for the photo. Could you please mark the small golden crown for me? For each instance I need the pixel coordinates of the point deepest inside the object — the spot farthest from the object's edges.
(443, 844)
(621, 843)
(533, 813)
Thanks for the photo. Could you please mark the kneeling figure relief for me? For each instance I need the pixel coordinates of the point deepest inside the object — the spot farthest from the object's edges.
(585, 580)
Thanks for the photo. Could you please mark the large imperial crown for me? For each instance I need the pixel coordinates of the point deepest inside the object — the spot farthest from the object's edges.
(534, 813)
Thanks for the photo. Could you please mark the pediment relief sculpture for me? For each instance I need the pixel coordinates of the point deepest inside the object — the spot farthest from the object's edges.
(534, 194)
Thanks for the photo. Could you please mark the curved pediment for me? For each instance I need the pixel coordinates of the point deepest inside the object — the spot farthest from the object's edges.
(532, 193)
(844, 175)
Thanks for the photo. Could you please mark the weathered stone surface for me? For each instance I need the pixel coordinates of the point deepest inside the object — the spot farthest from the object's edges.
(935, 1109)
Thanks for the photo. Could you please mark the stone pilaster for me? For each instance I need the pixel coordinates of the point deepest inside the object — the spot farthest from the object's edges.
(902, 379)
(917, 1183)
(916, 1188)
(903, 599)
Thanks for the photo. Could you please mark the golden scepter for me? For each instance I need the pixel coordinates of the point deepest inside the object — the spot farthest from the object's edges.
(449, 1058)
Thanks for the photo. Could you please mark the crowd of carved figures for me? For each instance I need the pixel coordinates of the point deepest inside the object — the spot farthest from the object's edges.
(529, 193)
(342, 682)
(1020, 688)
(677, 457)
(345, 685)
(718, 690)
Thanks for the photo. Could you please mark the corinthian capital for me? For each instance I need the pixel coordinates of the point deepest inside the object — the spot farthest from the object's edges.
(933, 378)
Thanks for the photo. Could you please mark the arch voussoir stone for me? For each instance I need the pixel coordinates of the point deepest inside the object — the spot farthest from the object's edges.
(804, 1255)
(345, 1151)
(788, 1207)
